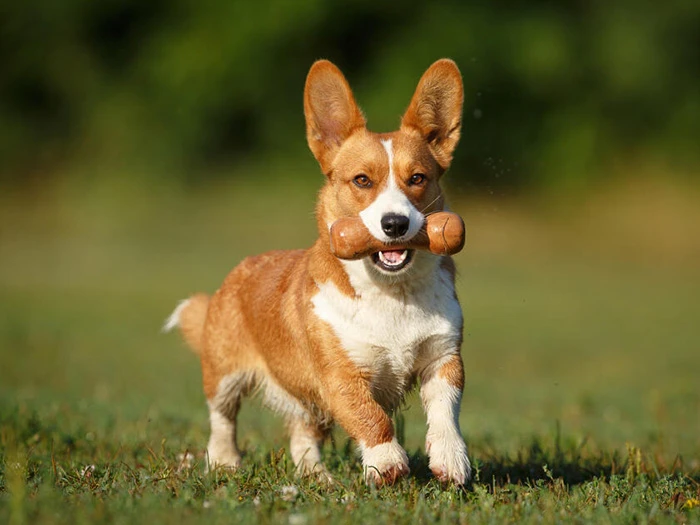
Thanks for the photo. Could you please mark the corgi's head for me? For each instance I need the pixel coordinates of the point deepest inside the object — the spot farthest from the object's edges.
(390, 180)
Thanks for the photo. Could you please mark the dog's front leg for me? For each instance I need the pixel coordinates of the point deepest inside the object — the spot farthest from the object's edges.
(355, 409)
(442, 382)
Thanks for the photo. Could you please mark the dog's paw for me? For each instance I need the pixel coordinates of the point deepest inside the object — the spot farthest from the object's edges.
(219, 460)
(384, 464)
(323, 476)
(448, 458)
(311, 469)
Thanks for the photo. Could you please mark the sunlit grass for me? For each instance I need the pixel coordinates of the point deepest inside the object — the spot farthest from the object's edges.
(581, 348)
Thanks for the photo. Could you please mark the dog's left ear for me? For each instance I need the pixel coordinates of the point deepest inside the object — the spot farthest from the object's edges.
(332, 114)
(436, 109)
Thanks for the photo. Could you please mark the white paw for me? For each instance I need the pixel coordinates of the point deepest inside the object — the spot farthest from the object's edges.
(321, 474)
(384, 464)
(312, 469)
(448, 457)
(222, 459)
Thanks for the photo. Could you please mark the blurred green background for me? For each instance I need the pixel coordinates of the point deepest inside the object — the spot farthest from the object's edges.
(147, 147)
(556, 93)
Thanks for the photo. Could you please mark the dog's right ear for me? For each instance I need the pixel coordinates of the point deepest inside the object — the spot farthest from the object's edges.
(330, 110)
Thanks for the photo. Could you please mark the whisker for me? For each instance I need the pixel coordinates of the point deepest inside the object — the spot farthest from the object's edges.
(431, 203)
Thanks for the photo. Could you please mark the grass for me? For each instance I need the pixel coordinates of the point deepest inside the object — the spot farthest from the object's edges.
(581, 347)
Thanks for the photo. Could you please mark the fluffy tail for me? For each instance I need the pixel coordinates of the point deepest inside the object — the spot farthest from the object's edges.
(189, 315)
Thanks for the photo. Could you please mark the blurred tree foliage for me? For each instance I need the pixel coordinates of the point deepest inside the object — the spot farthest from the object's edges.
(555, 90)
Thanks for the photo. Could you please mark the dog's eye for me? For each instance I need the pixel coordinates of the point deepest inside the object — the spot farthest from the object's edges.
(417, 179)
(362, 181)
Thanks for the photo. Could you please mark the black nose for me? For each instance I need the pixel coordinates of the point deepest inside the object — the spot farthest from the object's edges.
(394, 225)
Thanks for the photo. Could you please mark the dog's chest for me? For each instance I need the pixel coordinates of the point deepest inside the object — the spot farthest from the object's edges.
(384, 333)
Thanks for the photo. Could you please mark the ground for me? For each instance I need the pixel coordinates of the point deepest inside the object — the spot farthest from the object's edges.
(581, 351)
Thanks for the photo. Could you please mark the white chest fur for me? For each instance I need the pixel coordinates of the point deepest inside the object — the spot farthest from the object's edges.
(388, 331)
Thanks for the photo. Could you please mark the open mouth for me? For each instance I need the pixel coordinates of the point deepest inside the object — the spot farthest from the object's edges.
(392, 260)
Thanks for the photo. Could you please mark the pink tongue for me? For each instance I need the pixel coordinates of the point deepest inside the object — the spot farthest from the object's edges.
(393, 256)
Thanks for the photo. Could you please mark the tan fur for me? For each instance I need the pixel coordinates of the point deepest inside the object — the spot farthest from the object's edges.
(453, 372)
(259, 329)
(331, 112)
(436, 110)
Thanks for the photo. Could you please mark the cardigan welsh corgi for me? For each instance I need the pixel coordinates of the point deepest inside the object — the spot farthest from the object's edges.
(329, 340)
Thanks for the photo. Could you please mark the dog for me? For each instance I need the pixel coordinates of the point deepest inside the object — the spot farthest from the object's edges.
(329, 340)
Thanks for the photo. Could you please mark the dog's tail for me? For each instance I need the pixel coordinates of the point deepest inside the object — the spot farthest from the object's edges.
(189, 315)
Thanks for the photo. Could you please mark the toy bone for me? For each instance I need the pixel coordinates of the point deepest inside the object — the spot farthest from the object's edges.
(442, 234)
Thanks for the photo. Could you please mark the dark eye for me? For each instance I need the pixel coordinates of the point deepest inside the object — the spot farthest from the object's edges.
(417, 179)
(362, 181)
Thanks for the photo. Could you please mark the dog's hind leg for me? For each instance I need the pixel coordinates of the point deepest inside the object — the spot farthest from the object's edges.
(222, 450)
(306, 438)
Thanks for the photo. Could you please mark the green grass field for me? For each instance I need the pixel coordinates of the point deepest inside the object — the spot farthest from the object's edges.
(582, 355)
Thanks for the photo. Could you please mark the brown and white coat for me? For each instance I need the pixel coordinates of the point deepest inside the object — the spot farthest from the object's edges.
(329, 340)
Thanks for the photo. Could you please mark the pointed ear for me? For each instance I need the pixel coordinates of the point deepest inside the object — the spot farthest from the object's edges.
(330, 110)
(436, 109)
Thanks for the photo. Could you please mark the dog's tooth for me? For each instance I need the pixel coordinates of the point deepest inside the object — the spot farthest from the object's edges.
(383, 258)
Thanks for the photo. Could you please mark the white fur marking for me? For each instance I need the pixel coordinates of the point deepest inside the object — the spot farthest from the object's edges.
(278, 399)
(391, 200)
(222, 450)
(304, 449)
(384, 333)
(444, 443)
(174, 319)
(380, 458)
(388, 147)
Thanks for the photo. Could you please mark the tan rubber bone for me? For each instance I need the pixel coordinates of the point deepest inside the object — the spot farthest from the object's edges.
(442, 234)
